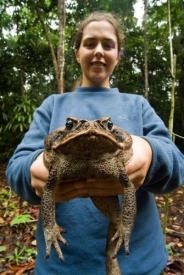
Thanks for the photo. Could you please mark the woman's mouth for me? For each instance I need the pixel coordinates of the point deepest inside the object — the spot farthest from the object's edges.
(98, 64)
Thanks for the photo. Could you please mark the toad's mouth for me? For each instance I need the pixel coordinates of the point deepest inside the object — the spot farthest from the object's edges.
(89, 146)
(90, 137)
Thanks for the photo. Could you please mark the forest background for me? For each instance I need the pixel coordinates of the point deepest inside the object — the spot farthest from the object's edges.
(37, 59)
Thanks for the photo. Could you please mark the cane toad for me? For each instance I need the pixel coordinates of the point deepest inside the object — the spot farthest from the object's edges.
(90, 149)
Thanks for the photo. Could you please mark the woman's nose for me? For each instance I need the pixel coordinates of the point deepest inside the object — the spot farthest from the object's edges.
(99, 50)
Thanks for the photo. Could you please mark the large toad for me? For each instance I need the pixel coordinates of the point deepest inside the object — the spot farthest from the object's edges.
(90, 149)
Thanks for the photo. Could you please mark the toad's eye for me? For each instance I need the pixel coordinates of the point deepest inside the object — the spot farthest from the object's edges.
(69, 124)
(109, 124)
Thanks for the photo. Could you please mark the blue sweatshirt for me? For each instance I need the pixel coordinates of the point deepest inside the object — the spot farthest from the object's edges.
(86, 226)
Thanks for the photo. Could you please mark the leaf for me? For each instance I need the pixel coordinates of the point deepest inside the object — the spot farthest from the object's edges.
(175, 266)
(179, 244)
(23, 218)
(13, 205)
(19, 269)
(29, 118)
(2, 248)
(33, 243)
(21, 128)
(31, 252)
(2, 221)
(4, 193)
(169, 249)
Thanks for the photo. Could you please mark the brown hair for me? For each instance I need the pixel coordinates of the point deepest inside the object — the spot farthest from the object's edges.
(99, 16)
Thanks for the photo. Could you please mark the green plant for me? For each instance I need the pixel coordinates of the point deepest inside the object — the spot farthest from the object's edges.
(13, 206)
(15, 117)
(16, 256)
(169, 249)
(6, 201)
(2, 248)
(22, 116)
(22, 218)
(31, 252)
(4, 194)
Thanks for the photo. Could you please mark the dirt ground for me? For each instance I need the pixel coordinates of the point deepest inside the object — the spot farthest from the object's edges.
(18, 245)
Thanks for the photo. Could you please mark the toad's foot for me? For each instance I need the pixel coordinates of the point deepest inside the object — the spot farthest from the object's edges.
(121, 237)
(52, 236)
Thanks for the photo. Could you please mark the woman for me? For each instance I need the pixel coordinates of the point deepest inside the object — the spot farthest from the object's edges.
(156, 166)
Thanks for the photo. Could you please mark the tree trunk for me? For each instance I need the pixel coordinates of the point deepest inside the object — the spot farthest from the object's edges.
(171, 117)
(146, 50)
(173, 76)
(61, 49)
(173, 72)
(54, 60)
(181, 91)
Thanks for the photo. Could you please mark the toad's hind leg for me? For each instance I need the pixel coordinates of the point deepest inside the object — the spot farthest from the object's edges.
(109, 206)
(112, 265)
(127, 221)
(52, 231)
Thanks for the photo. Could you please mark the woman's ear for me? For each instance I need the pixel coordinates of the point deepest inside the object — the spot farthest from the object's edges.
(118, 58)
(77, 55)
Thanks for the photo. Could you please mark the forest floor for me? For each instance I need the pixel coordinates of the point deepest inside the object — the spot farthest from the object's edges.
(18, 225)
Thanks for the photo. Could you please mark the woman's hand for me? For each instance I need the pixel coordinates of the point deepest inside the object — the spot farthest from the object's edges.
(137, 170)
(39, 175)
(138, 167)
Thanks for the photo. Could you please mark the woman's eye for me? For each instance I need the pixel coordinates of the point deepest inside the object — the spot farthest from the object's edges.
(90, 45)
(109, 46)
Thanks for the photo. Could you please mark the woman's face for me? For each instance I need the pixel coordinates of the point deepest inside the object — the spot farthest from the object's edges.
(98, 53)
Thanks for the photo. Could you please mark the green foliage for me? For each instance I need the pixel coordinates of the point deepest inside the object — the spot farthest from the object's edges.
(169, 249)
(2, 248)
(9, 206)
(15, 117)
(31, 252)
(4, 194)
(22, 218)
(17, 256)
(12, 206)
(22, 117)
(6, 202)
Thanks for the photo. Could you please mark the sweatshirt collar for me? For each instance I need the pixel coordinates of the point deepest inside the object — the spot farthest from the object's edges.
(96, 89)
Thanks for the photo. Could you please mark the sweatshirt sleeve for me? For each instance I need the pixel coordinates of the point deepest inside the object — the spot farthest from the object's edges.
(18, 169)
(166, 172)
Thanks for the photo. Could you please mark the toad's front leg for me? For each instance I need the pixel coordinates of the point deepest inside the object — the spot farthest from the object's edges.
(52, 231)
